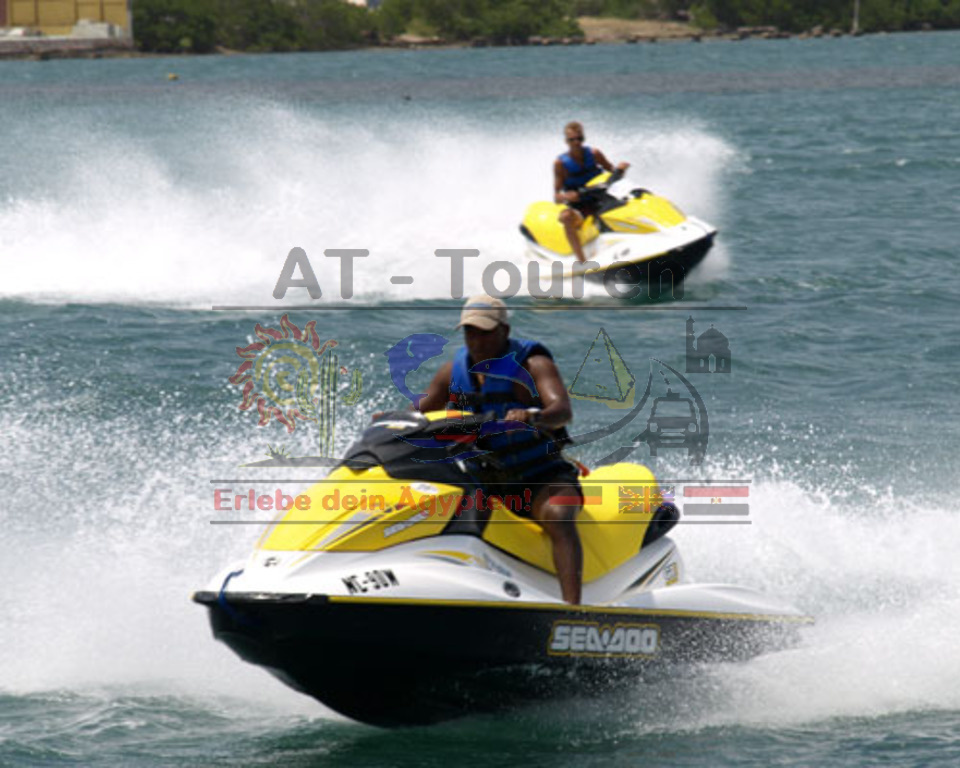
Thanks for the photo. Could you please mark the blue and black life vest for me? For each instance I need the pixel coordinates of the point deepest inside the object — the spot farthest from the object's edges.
(525, 454)
(578, 175)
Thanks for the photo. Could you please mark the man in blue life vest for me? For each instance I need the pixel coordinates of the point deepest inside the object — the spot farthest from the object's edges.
(532, 393)
(571, 171)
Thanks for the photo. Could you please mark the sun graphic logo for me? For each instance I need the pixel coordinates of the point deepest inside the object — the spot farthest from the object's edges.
(288, 375)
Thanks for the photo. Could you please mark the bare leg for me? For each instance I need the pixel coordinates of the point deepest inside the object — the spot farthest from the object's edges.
(572, 220)
(555, 510)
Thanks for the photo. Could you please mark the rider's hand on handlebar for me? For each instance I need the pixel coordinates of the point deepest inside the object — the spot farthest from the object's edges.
(524, 415)
(623, 167)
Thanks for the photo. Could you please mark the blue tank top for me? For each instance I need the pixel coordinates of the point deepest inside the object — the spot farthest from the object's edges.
(578, 175)
(526, 454)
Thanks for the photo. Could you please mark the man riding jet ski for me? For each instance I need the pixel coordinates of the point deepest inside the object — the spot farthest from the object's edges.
(517, 381)
(619, 234)
(572, 171)
(413, 585)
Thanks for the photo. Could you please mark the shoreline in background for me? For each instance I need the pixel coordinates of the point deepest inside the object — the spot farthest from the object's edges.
(603, 31)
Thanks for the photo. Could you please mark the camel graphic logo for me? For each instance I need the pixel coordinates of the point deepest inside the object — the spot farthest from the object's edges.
(288, 375)
(710, 343)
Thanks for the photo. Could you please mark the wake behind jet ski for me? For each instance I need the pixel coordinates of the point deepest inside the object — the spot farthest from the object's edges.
(402, 594)
(641, 236)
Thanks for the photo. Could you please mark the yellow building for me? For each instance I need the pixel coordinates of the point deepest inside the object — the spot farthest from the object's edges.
(57, 17)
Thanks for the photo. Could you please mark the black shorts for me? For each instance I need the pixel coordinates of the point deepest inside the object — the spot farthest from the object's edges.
(584, 207)
(519, 496)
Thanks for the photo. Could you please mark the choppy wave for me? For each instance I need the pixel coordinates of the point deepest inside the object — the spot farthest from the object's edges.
(106, 545)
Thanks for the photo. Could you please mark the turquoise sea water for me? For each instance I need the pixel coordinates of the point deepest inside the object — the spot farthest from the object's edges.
(130, 205)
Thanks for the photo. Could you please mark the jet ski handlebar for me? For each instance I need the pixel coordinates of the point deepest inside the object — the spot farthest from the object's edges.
(600, 190)
(416, 420)
(603, 186)
(468, 422)
(615, 177)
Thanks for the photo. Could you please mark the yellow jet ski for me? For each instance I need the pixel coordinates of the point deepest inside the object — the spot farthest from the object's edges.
(632, 238)
(396, 592)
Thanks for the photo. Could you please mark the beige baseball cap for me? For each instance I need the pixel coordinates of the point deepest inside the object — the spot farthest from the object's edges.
(483, 312)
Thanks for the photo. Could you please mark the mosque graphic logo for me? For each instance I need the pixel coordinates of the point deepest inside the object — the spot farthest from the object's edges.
(710, 343)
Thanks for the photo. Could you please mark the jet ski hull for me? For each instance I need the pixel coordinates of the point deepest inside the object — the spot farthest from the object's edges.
(397, 662)
(655, 276)
(648, 272)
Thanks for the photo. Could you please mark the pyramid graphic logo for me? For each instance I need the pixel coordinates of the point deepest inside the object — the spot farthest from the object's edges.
(604, 376)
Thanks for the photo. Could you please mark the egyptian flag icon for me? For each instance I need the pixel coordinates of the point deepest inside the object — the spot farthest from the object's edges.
(716, 500)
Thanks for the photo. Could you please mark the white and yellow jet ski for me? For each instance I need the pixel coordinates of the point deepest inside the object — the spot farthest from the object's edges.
(401, 595)
(642, 237)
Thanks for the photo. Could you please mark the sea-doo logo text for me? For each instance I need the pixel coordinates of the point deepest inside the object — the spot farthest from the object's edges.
(390, 530)
(591, 639)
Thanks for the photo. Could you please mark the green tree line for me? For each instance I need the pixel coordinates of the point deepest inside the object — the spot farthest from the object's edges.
(798, 15)
(499, 21)
(201, 26)
(789, 15)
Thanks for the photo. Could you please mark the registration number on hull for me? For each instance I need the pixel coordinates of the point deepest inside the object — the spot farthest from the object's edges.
(370, 580)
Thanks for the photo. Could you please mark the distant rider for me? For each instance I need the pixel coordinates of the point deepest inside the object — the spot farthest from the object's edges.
(571, 171)
(529, 459)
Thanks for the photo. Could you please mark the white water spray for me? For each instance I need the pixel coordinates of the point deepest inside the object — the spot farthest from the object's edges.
(136, 221)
